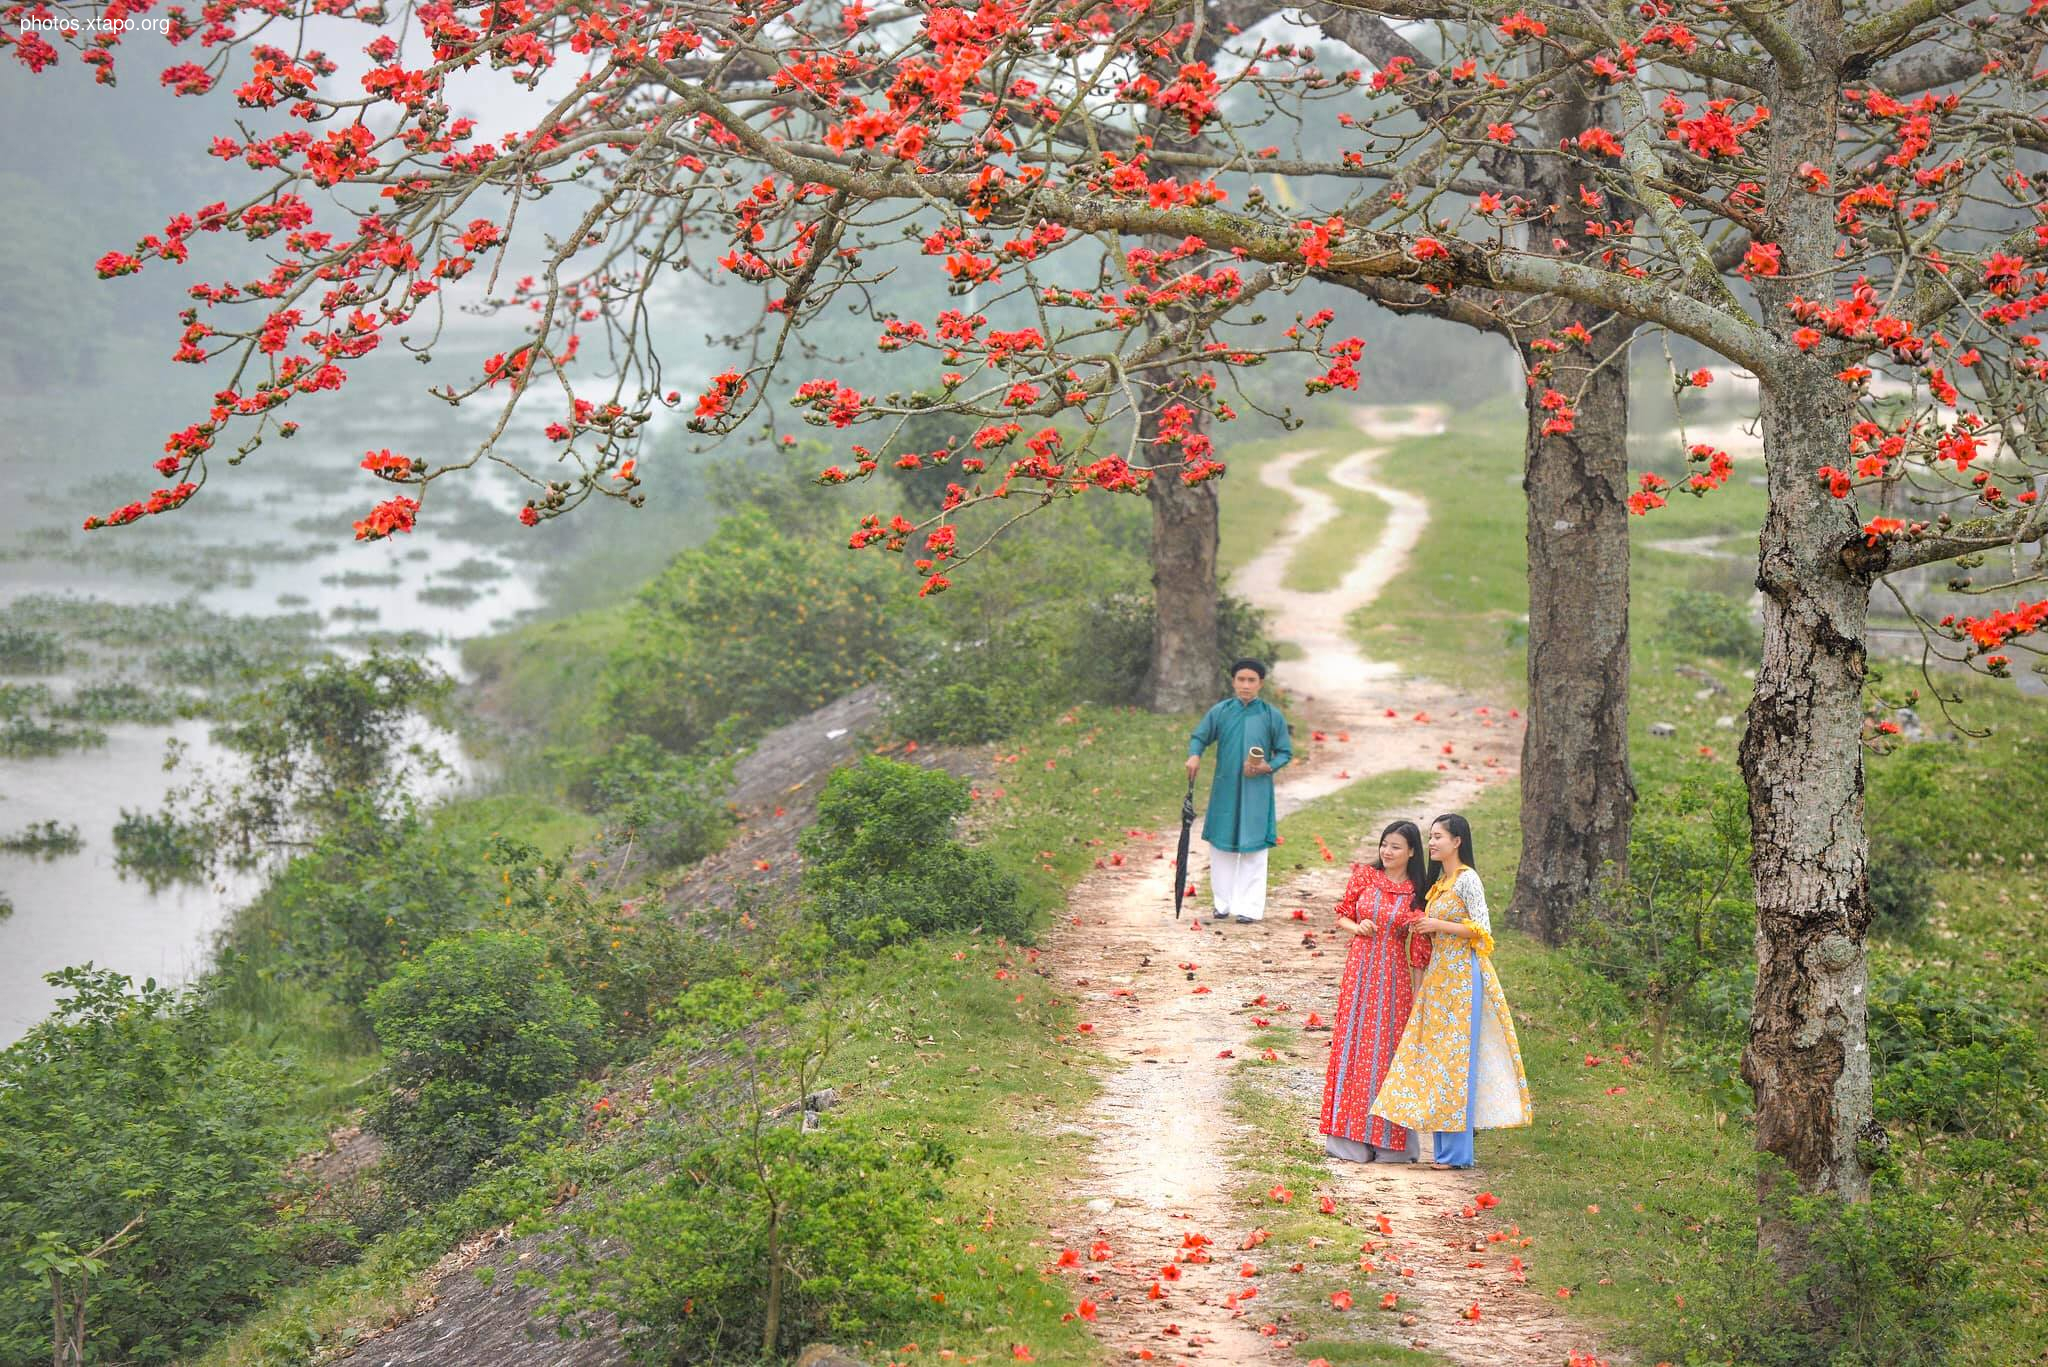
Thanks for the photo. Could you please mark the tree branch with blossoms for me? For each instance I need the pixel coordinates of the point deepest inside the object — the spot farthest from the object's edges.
(807, 138)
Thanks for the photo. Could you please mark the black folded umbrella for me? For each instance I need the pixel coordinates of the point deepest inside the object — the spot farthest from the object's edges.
(1180, 860)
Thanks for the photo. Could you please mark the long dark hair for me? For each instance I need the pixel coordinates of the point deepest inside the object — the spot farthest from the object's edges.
(1462, 829)
(1418, 862)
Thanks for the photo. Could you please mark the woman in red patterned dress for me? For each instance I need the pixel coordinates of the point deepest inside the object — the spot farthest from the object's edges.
(1379, 906)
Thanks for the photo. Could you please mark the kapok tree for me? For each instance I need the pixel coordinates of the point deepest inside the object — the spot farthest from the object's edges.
(1576, 786)
(1843, 206)
(1577, 792)
(813, 148)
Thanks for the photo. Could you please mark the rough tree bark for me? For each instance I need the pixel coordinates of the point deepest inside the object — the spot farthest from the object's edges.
(1802, 757)
(1578, 795)
(1808, 1058)
(1184, 540)
(1577, 792)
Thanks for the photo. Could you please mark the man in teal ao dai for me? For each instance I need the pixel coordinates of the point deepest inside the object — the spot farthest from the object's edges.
(1241, 825)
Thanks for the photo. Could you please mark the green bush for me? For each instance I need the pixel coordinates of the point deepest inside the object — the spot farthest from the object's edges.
(947, 888)
(367, 895)
(881, 864)
(673, 807)
(631, 958)
(1058, 612)
(877, 816)
(45, 838)
(1885, 1287)
(318, 747)
(129, 1100)
(1703, 622)
(21, 700)
(320, 742)
(23, 737)
(763, 1233)
(845, 1211)
(1678, 935)
(120, 700)
(753, 625)
(1028, 665)
(1949, 1065)
(159, 847)
(964, 692)
(478, 1031)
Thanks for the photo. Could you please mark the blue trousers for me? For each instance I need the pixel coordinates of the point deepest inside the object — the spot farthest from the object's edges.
(1455, 1148)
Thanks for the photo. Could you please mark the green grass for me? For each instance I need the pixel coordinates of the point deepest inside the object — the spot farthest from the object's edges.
(1322, 560)
(989, 1065)
(1356, 1353)
(333, 1052)
(1064, 793)
(520, 816)
(1344, 819)
(1462, 618)
(1453, 615)
(1250, 512)
(542, 678)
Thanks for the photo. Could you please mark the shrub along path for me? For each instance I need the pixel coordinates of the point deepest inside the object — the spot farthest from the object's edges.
(1184, 1014)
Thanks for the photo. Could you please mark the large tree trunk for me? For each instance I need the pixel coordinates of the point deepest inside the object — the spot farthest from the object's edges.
(1802, 757)
(1577, 792)
(1808, 1057)
(1184, 673)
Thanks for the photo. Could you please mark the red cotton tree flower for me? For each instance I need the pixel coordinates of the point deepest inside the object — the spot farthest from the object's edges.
(1837, 200)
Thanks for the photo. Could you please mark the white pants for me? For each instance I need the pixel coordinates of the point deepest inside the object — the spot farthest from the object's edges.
(1237, 882)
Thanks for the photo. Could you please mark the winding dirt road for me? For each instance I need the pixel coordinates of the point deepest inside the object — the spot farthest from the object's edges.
(1166, 1158)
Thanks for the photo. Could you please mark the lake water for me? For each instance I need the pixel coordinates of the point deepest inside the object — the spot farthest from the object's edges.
(80, 907)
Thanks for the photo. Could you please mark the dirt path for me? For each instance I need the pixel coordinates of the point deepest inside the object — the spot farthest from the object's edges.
(1162, 1164)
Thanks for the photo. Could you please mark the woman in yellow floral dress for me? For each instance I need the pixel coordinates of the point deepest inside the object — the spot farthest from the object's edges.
(1458, 1067)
